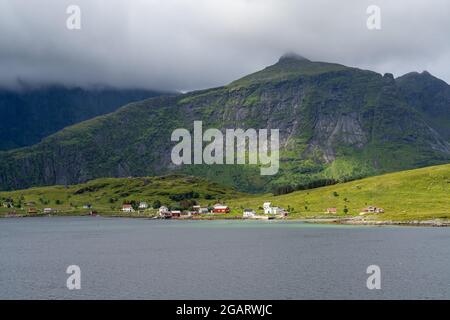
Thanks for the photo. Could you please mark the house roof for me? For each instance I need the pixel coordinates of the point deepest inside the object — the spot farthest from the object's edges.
(221, 207)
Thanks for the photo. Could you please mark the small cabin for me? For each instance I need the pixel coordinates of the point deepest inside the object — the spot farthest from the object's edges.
(220, 208)
(249, 213)
(32, 211)
(163, 211)
(331, 210)
(127, 208)
(175, 213)
(48, 210)
(267, 206)
(203, 210)
(143, 205)
(371, 209)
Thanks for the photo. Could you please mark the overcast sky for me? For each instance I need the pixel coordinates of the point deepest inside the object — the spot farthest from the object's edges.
(193, 44)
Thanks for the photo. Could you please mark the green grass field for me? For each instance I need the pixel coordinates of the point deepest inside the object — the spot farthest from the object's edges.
(419, 194)
(407, 195)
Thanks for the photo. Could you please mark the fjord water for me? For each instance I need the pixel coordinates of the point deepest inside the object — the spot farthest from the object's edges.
(149, 259)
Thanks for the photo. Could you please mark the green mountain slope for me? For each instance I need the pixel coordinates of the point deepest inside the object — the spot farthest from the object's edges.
(336, 123)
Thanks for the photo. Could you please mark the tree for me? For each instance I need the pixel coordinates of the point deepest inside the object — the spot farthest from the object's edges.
(156, 204)
(135, 205)
(345, 209)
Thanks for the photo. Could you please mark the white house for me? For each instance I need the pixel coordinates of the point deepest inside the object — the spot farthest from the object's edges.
(268, 209)
(127, 208)
(48, 210)
(143, 205)
(163, 211)
(267, 206)
(249, 213)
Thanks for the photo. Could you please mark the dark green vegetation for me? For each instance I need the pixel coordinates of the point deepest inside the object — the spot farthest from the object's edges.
(336, 124)
(29, 115)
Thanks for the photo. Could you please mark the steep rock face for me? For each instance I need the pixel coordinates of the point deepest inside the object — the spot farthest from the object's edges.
(335, 122)
(430, 97)
(31, 114)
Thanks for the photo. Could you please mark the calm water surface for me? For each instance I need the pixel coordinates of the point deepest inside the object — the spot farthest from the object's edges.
(148, 259)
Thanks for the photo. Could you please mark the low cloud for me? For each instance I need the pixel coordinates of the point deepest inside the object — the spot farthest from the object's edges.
(192, 44)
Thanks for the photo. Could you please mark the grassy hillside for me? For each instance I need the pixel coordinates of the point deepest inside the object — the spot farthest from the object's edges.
(407, 195)
(107, 195)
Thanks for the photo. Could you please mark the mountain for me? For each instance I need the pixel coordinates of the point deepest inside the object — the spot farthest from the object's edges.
(336, 123)
(31, 114)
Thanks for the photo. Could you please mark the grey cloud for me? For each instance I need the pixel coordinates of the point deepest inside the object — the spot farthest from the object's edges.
(191, 44)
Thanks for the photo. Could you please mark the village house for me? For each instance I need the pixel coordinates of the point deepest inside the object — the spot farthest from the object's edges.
(164, 212)
(87, 206)
(371, 209)
(32, 211)
(249, 213)
(268, 209)
(220, 208)
(267, 206)
(197, 209)
(48, 210)
(143, 205)
(127, 207)
(331, 210)
(163, 209)
(175, 213)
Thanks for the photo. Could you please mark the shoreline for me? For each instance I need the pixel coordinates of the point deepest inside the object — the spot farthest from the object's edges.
(356, 221)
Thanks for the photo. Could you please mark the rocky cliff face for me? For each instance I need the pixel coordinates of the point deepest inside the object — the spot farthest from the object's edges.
(31, 114)
(335, 123)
